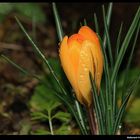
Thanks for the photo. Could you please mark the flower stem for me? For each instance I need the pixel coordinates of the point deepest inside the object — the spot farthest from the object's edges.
(91, 119)
(50, 123)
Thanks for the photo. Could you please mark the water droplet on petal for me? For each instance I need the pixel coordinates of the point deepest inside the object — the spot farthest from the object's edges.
(85, 69)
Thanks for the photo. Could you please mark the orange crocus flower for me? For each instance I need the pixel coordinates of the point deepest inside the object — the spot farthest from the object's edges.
(80, 54)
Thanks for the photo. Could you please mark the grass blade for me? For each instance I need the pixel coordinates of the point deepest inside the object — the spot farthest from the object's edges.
(107, 38)
(81, 115)
(125, 45)
(103, 101)
(115, 107)
(96, 24)
(58, 22)
(118, 41)
(109, 118)
(123, 106)
(97, 106)
(108, 18)
(103, 104)
(25, 72)
(129, 61)
(41, 55)
(15, 65)
(75, 114)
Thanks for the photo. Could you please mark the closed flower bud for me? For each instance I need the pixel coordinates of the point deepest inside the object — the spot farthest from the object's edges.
(80, 54)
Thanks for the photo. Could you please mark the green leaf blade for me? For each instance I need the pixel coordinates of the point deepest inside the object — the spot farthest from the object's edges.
(96, 24)
(123, 106)
(107, 38)
(58, 22)
(108, 18)
(125, 45)
(97, 106)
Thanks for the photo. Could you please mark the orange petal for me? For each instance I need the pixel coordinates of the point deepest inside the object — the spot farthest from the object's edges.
(69, 60)
(74, 43)
(75, 37)
(89, 34)
(98, 61)
(85, 66)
